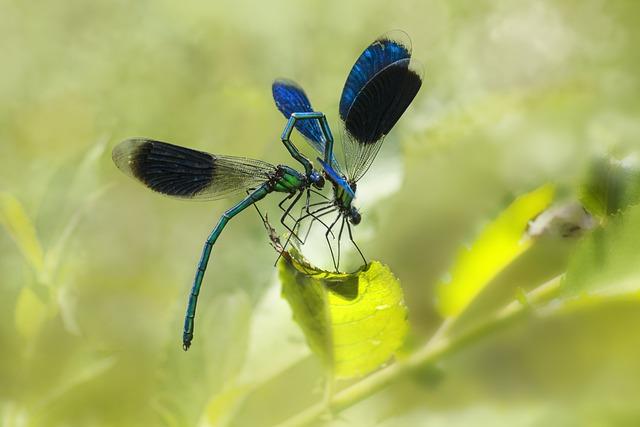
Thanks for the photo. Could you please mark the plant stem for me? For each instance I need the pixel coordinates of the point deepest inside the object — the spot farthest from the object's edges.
(436, 348)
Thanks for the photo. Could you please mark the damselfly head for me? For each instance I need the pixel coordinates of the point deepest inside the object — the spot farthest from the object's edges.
(317, 180)
(354, 216)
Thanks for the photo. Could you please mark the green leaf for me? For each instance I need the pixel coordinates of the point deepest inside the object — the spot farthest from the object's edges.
(216, 362)
(14, 414)
(355, 322)
(271, 332)
(82, 372)
(607, 263)
(16, 222)
(272, 335)
(612, 186)
(30, 313)
(498, 244)
(54, 255)
(220, 411)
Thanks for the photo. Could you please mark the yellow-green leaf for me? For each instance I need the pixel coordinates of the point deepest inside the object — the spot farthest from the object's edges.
(30, 313)
(355, 322)
(498, 244)
(18, 225)
(223, 406)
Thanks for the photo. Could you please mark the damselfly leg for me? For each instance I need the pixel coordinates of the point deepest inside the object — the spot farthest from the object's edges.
(355, 244)
(287, 213)
(339, 240)
(326, 236)
(315, 215)
(307, 208)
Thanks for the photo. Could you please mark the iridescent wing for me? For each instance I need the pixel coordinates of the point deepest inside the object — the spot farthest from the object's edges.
(290, 98)
(378, 90)
(189, 174)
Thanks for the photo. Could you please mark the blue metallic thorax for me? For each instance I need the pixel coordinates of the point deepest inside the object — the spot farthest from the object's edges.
(343, 193)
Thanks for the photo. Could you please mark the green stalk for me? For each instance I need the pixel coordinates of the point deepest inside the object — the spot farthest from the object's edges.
(435, 349)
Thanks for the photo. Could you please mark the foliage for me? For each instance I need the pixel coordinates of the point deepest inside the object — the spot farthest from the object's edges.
(354, 321)
(611, 186)
(93, 282)
(496, 247)
(605, 264)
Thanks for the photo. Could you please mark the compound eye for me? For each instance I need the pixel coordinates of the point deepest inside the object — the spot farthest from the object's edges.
(319, 182)
(355, 217)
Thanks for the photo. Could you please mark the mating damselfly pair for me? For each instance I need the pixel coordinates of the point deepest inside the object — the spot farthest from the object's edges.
(379, 88)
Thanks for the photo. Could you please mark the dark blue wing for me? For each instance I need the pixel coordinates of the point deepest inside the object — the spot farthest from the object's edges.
(189, 174)
(374, 59)
(290, 98)
(381, 103)
(378, 90)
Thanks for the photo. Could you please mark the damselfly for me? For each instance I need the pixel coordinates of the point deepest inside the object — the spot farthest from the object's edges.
(379, 88)
(190, 174)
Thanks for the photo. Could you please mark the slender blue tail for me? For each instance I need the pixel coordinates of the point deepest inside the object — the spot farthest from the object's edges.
(189, 319)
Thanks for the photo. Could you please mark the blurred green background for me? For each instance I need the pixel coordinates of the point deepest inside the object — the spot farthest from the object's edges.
(516, 94)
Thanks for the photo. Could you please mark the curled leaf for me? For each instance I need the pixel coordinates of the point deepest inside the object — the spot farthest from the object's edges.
(354, 322)
(498, 244)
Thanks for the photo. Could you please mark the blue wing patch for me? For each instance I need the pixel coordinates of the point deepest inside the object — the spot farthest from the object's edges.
(381, 102)
(290, 98)
(380, 54)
